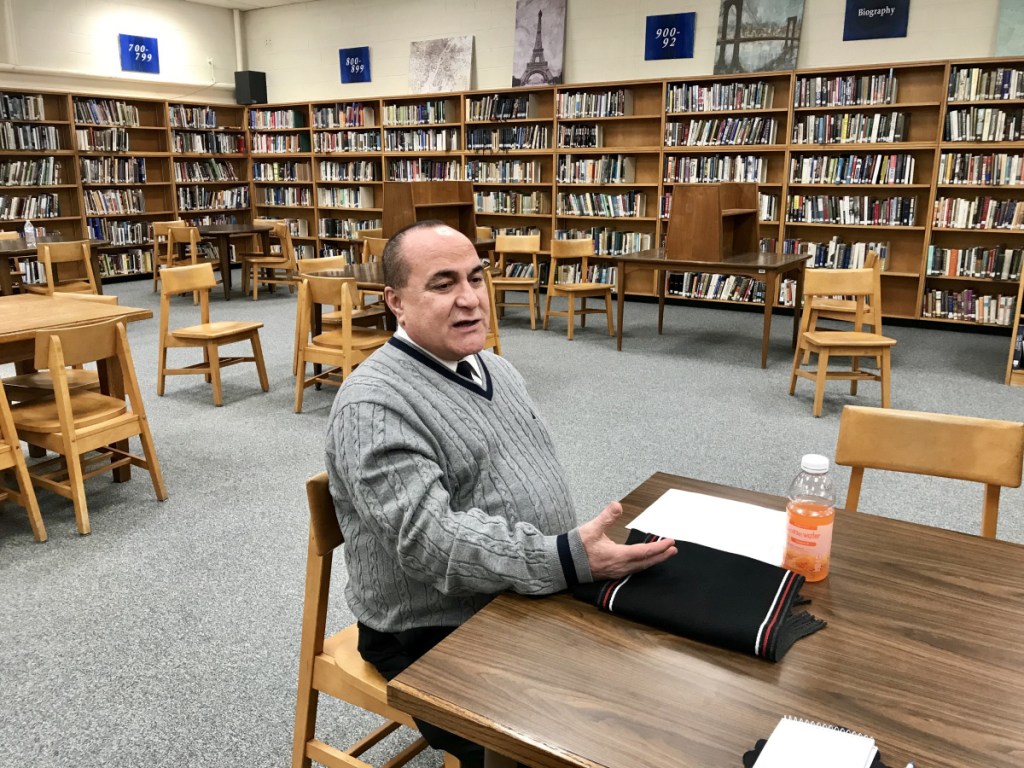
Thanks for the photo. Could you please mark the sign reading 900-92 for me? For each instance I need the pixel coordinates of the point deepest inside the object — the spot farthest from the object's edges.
(355, 64)
(670, 36)
(139, 54)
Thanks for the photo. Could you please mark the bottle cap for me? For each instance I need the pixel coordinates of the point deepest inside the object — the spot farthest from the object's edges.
(814, 463)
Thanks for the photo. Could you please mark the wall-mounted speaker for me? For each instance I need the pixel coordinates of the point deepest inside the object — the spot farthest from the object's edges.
(250, 87)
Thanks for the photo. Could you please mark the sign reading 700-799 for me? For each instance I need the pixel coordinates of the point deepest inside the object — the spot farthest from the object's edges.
(139, 54)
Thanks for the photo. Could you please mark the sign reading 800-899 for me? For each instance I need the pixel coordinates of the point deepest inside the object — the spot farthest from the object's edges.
(670, 36)
(355, 64)
(139, 54)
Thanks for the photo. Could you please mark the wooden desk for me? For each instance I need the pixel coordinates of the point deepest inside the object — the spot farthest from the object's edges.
(15, 249)
(222, 234)
(922, 651)
(764, 266)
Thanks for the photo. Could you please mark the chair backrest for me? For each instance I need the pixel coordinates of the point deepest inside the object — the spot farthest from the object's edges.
(324, 531)
(184, 235)
(332, 290)
(283, 234)
(373, 248)
(9, 235)
(988, 451)
(860, 287)
(362, 234)
(493, 338)
(519, 243)
(192, 277)
(80, 344)
(319, 265)
(579, 248)
(161, 228)
(96, 298)
(66, 255)
(339, 292)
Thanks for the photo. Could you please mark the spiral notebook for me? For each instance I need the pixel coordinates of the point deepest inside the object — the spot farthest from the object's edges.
(804, 744)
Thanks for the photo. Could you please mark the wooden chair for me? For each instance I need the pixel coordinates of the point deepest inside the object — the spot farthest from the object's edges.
(839, 308)
(576, 250)
(85, 428)
(986, 451)
(333, 665)
(272, 269)
(373, 248)
(517, 246)
(342, 348)
(209, 337)
(163, 256)
(67, 268)
(12, 457)
(493, 338)
(860, 285)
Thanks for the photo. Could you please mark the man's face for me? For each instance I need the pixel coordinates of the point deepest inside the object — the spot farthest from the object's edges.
(444, 304)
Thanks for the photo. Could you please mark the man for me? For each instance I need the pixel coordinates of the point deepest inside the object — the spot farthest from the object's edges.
(445, 480)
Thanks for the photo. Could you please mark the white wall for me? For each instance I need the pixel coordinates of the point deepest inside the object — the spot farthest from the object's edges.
(73, 45)
(297, 46)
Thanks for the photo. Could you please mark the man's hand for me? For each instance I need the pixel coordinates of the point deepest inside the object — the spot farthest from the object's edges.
(609, 560)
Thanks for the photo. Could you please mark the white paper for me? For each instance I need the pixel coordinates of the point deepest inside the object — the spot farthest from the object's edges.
(732, 526)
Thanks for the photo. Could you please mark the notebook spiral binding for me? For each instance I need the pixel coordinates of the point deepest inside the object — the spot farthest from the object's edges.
(826, 726)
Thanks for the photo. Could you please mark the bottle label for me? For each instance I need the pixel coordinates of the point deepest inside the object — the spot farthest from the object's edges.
(809, 541)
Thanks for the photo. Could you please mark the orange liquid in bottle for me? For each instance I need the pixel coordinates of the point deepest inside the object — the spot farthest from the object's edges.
(809, 538)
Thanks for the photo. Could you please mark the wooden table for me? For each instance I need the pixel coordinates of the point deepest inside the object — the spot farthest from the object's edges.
(922, 651)
(769, 267)
(222, 234)
(15, 249)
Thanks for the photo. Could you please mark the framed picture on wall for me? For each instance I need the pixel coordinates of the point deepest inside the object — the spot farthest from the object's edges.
(758, 35)
(540, 42)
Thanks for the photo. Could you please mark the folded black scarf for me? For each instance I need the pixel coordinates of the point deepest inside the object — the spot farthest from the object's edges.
(715, 597)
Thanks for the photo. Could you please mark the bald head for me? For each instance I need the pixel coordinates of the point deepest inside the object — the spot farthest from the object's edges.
(416, 240)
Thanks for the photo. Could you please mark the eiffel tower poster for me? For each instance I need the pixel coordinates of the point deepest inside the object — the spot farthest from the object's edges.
(539, 43)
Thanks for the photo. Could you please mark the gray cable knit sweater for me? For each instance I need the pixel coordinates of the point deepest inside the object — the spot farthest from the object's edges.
(448, 492)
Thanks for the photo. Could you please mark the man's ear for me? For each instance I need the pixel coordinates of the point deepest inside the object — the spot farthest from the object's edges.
(394, 302)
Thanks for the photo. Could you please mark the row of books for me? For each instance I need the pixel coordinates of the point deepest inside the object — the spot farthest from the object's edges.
(191, 117)
(208, 142)
(208, 218)
(282, 170)
(279, 143)
(22, 107)
(353, 170)
(882, 168)
(996, 263)
(425, 113)
(681, 169)
(42, 138)
(502, 201)
(852, 209)
(29, 207)
(344, 116)
(604, 169)
(580, 136)
(332, 250)
(137, 261)
(204, 170)
(715, 97)
(298, 227)
(609, 242)
(533, 136)
(503, 171)
(102, 139)
(498, 107)
(290, 196)
(113, 170)
(999, 169)
(114, 201)
(983, 124)
(274, 119)
(968, 305)
(105, 112)
(204, 198)
(346, 229)
(345, 197)
(977, 84)
(605, 274)
(612, 103)
(846, 90)
(495, 231)
(705, 285)
(347, 141)
(851, 127)
(31, 173)
(627, 204)
(422, 140)
(835, 254)
(724, 131)
(424, 169)
(978, 213)
(120, 232)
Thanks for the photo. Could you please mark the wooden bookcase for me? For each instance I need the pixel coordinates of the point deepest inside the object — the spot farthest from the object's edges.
(422, 137)
(712, 221)
(1015, 376)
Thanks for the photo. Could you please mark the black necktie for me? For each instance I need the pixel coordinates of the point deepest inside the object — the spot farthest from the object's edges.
(465, 369)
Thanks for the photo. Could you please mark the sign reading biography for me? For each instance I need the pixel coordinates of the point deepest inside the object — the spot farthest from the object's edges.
(670, 36)
(872, 19)
(139, 54)
(355, 64)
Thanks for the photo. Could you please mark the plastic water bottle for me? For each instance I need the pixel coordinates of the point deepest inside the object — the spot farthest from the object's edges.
(28, 233)
(812, 511)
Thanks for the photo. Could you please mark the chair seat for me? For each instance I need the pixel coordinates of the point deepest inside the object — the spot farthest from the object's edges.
(217, 330)
(503, 282)
(848, 339)
(329, 318)
(36, 382)
(581, 287)
(88, 408)
(343, 648)
(834, 305)
(361, 338)
(74, 286)
(266, 261)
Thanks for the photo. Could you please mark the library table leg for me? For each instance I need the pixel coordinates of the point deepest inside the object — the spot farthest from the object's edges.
(620, 297)
(112, 383)
(798, 304)
(224, 247)
(6, 283)
(94, 257)
(771, 291)
(661, 277)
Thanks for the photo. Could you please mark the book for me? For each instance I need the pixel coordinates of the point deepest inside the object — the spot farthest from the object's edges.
(805, 744)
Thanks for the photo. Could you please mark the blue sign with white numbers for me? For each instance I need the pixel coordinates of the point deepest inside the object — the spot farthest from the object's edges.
(139, 54)
(670, 36)
(355, 64)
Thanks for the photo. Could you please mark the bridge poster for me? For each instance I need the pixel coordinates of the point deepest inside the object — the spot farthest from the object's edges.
(539, 43)
(758, 35)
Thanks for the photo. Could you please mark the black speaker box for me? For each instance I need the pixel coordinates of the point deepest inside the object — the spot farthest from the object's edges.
(250, 87)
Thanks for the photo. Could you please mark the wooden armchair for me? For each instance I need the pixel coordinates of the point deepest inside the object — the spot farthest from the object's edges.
(163, 255)
(512, 249)
(333, 665)
(272, 269)
(88, 430)
(563, 251)
(67, 268)
(985, 451)
(208, 336)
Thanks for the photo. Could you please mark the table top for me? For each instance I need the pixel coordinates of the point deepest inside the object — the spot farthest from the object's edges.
(234, 229)
(23, 314)
(656, 257)
(922, 651)
(19, 247)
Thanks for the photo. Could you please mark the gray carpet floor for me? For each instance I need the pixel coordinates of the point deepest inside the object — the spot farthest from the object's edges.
(169, 637)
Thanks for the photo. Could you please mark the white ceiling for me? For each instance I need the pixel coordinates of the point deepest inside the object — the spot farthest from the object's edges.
(247, 5)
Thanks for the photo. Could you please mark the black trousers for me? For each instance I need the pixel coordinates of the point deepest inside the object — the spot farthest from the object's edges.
(392, 652)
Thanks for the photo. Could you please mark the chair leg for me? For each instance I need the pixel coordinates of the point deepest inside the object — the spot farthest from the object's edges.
(28, 496)
(206, 362)
(256, 284)
(572, 315)
(300, 381)
(77, 484)
(547, 311)
(161, 365)
(608, 312)
(801, 352)
(261, 368)
(213, 353)
(583, 312)
(886, 402)
(152, 464)
(855, 367)
(533, 316)
(819, 382)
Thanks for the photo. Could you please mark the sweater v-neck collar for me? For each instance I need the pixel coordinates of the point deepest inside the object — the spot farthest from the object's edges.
(485, 390)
